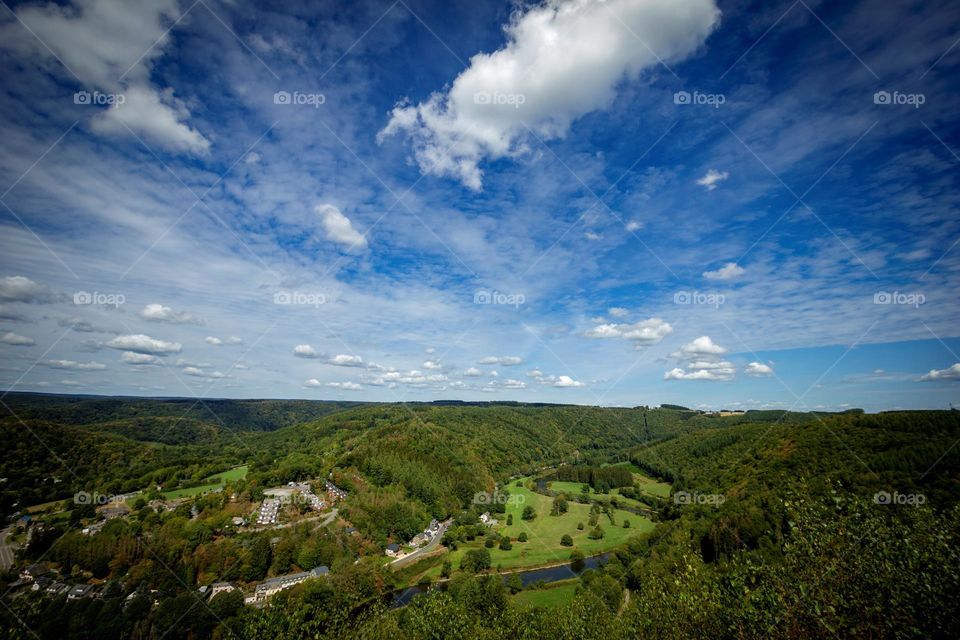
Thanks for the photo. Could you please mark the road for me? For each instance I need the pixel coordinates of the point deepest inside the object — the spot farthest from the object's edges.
(6, 551)
(430, 546)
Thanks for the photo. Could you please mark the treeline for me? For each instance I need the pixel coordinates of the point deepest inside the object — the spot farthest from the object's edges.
(602, 479)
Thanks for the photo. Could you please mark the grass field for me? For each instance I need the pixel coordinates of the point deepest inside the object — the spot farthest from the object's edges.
(236, 473)
(213, 482)
(556, 594)
(544, 533)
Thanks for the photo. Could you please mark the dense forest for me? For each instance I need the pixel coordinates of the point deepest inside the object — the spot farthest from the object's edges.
(773, 527)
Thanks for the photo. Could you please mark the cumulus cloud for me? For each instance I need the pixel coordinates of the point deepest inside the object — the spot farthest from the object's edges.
(313, 383)
(432, 364)
(711, 178)
(346, 386)
(339, 229)
(473, 372)
(229, 341)
(562, 59)
(713, 374)
(160, 313)
(7, 312)
(510, 383)
(130, 357)
(21, 289)
(98, 40)
(566, 381)
(16, 339)
(306, 351)
(728, 271)
(950, 373)
(73, 365)
(505, 361)
(535, 373)
(702, 346)
(703, 362)
(642, 334)
(344, 360)
(139, 343)
(758, 369)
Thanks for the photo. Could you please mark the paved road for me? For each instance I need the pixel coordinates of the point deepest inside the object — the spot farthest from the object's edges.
(6, 551)
(430, 546)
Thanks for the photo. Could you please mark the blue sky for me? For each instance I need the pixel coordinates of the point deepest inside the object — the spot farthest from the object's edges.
(716, 204)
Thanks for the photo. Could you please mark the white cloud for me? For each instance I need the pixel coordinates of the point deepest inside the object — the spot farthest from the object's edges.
(73, 365)
(728, 271)
(313, 383)
(562, 59)
(347, 386)
(633, 225)
(711, 178)
(702, 346)
(229, 341)
(21, 289)
(758, 369)
(704, 363)
(535, 373)
(717, 375)
(339, 229)
(99, 40)
(139, 343)
(642, 334)
(618, 312)
(505, 361)
(950, 373)
(473, 372)
(566, 381)
(130, 357)
(160, 313)
(344, 360)
(510, 383)
(306, 351)
(200, 373)
(432, 364)
(16, 339)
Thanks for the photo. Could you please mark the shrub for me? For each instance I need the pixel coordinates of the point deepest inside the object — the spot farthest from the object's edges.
(522, 537)
(566, 540)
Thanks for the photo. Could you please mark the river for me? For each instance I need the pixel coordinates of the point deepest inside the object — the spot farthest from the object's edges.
(403, 597)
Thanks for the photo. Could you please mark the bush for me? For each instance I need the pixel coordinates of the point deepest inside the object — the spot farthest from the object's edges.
(596, 534)
(566, 540)
(528, 513)
(446, 570)
(509, 519)
(505, 544)
(488, 543)
(522, 537)
(626, 524)
(579, 526)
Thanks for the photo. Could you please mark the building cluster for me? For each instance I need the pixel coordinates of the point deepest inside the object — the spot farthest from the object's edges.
(269, 587)
(40, 577)
(316, 502)
(268, 511)
(422, 538)
(336, 494)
